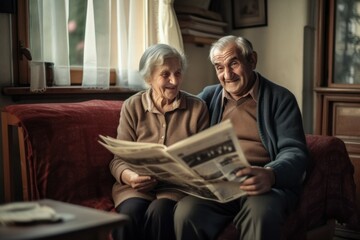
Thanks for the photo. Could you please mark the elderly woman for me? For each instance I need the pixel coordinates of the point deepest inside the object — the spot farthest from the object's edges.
(162, 114)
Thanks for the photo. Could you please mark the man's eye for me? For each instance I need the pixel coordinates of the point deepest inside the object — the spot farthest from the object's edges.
(219, 68)
(234, 63)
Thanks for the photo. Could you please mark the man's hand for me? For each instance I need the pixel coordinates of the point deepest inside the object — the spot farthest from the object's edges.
(259, 180)
(140, 183)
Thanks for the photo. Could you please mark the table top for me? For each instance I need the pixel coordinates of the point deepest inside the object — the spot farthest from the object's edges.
(83, 220)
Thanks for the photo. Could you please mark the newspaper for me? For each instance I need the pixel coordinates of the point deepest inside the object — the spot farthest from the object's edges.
(29, 212)
(203, 165)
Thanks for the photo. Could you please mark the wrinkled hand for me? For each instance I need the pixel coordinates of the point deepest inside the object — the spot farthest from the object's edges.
(140, 183)
(259, 180)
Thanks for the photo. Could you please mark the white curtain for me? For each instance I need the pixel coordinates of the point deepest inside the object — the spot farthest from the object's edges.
(132, 39)
(168, 29)
(141, 24)
(116, 34)
(49, 44)
(96, 68)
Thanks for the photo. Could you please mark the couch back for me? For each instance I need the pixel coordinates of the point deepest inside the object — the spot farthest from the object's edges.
(64, 159)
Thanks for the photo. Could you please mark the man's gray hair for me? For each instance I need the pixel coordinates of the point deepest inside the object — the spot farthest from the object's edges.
(242, 44)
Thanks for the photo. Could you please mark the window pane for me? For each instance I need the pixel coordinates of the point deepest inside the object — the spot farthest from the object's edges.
(347, 42)
(76, 26)
(43, 24)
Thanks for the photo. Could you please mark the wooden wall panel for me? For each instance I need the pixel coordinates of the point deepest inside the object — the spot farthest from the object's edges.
(339, 115)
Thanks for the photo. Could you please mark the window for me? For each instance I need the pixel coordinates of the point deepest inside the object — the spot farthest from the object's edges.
(144, 26)
(338, 57)
(76, 41)
(76, 29)
(48, 40)
(347, 42)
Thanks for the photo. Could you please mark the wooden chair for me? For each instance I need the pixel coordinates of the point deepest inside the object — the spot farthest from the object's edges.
(9, 123)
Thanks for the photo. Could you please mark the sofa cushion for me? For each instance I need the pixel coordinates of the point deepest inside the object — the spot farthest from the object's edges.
(65, 160)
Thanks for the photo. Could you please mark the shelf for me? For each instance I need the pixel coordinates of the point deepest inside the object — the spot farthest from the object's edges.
(201, 41)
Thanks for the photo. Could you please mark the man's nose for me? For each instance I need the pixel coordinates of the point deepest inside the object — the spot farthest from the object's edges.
(228, 73)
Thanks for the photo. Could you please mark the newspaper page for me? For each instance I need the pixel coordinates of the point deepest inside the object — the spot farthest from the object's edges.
(155, 162)
(215, 156)
(203, 165)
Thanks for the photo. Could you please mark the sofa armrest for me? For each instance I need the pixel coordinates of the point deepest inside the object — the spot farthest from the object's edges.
(329, 187)
(333, 174)
(9, 121)
(64, 160)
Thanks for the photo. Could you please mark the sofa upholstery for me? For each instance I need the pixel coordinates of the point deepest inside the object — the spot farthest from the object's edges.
(64, 161)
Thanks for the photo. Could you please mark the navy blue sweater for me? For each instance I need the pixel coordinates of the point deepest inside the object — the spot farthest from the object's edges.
(280, 128)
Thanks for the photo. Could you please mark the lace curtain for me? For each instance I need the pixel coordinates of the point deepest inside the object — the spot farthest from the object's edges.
(116, 34)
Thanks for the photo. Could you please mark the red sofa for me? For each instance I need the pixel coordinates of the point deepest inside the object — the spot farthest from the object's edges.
(61, 159)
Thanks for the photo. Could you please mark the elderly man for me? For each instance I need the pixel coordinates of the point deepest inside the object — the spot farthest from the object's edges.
(268, 123)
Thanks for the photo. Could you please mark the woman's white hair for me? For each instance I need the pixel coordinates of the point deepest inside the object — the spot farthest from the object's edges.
(155, 55)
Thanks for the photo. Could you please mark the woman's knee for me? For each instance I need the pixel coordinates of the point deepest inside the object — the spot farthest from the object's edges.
(133, 207)
(161, 207)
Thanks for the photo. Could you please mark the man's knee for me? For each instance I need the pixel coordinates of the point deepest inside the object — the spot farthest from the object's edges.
(261, 209)
(184, 209)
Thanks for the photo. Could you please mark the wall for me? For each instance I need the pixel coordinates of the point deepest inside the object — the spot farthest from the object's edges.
(200, 72)
(280, 44)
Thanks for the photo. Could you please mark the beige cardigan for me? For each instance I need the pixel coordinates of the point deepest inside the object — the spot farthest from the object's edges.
(140, 121)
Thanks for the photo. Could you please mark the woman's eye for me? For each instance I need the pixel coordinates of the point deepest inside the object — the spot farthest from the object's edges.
(165, 75)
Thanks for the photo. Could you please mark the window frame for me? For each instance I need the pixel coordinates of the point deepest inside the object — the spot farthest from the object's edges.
(21, 38)
(326, 47)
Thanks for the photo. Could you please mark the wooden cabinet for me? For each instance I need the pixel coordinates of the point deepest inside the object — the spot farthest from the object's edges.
(338, 114)
(337, 76)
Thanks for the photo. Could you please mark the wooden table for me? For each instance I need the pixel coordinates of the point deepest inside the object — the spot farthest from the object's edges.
(87, 223)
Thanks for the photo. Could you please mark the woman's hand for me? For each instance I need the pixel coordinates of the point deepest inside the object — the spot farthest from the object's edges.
(140, 183)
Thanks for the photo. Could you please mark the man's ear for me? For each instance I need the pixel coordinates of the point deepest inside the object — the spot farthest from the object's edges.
(253, 60)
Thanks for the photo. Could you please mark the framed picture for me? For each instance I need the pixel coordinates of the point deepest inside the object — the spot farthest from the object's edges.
(249, 13)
